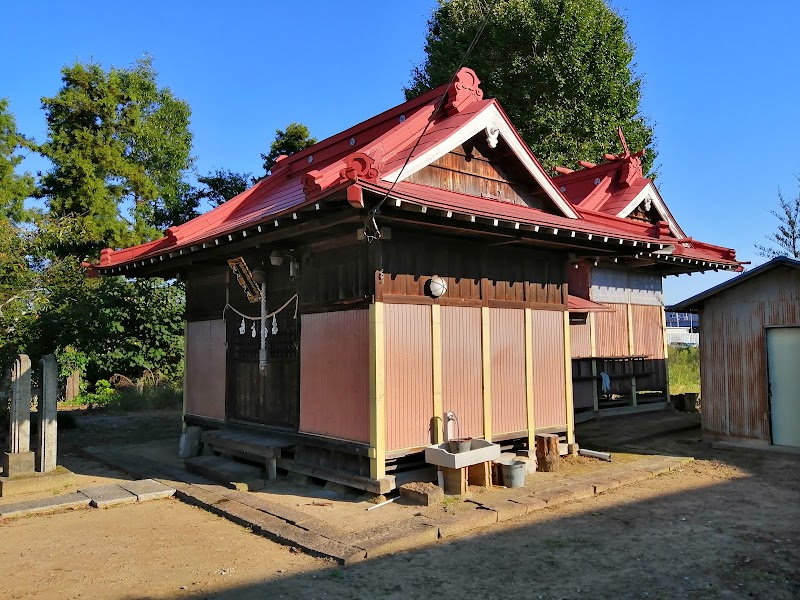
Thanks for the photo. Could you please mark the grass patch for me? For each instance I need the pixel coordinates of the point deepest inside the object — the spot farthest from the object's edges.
(684, 370)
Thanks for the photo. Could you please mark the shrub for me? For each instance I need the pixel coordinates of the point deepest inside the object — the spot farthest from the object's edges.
(684, 370)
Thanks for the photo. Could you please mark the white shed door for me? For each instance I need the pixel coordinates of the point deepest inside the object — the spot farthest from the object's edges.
(783, 352)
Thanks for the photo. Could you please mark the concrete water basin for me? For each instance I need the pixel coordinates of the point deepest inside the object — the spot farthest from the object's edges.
(480, 451)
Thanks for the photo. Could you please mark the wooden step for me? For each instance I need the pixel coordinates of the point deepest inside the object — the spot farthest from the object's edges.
(230, 473)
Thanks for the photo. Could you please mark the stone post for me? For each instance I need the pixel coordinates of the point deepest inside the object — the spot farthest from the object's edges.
(19, 459)
(48, 414)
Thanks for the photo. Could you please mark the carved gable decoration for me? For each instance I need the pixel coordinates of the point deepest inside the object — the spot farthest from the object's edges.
(464, 91)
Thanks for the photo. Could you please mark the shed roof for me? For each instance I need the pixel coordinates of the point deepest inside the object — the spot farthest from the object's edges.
(696, 302)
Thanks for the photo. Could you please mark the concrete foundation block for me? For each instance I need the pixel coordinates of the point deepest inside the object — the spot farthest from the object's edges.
(467, 521)
(18, 463)
(189, 445)
(424, 494)
(531, 503)
(55, 480)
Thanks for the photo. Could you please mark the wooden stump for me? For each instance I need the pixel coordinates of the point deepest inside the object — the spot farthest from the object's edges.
(547, 456)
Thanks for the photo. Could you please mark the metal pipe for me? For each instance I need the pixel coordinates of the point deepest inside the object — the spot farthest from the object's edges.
(595, 454)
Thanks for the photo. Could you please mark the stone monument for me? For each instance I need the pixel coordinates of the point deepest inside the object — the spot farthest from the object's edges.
(19, 459)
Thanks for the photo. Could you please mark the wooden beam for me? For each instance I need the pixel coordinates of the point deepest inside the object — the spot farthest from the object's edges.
(486, 353)
(568, 383)
(529, 390)
(436, 345)
(377, 392)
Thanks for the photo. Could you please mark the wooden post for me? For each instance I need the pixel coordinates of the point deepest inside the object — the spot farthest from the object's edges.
(593, 354)
(486, 353)
(548, 458)
(529, 389)
(666, 352)
(568, 382)
(631, 350)
(377, 391)
(437, 423)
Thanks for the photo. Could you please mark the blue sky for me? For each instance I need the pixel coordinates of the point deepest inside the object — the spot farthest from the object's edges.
(719, 77)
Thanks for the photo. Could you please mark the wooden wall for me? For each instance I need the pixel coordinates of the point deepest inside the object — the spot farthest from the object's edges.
(476, 274)
(204, 393)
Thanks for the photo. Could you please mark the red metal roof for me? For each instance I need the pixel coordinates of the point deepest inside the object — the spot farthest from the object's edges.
(581, 305)
(380, 146)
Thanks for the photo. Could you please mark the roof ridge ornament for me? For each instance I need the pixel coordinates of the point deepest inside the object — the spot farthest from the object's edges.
(465, 89)
(359, 165)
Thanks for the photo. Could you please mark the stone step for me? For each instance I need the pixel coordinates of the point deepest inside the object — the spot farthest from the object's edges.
(228, 472)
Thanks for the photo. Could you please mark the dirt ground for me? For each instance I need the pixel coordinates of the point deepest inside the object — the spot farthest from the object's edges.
(726, 526)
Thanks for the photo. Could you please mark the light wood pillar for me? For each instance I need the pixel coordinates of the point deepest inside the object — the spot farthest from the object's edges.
(666, 351)
(568, 382)
(486, 354)
(529, 392)
(593, 361)
(377, 392)
(631, 350)
(437, 424)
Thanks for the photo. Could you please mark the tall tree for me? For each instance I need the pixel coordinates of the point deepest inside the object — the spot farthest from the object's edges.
(786, 240)
(120, 146)
(562, 69)
(14, 187)
(294, 138)
(222, 185)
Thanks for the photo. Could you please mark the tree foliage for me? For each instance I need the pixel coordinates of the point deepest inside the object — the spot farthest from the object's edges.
(14, 187)
(294, 138)
(786, 240)
(117, 141)
(222, 185)
(562, 69)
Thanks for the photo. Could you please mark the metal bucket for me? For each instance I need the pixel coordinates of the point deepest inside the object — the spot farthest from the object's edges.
(514, 473)
(462, 445)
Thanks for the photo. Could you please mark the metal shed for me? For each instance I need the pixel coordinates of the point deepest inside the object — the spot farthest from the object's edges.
(750, 355)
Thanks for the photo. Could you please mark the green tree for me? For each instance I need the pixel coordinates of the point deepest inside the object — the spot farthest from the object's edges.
(562, 69)
(118, 144)
(14, 187)
(222, 185)
(294, 138)
(786, 240)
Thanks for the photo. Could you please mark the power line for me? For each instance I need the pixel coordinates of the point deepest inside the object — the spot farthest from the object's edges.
(375, 210)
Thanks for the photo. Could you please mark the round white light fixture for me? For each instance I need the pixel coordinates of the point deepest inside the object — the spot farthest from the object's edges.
(437, 287)
(275, 259)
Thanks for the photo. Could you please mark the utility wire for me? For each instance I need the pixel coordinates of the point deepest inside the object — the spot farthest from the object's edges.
(375, 210)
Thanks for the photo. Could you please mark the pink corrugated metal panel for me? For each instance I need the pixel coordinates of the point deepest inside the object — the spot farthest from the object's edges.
(507, 344)
(549, 393)
(462, 368)
(611, 331)
(579, 341)
(648, 331)
(409, 375)
(334, 378)
(205, 368)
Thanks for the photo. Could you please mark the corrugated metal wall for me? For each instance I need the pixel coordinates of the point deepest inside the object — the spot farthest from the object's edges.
(507, 345)
(334, 374)
(579, 341)
(409, 375)
(611, 331)
(548, 368)
(733, 351)
(205, 369)
(623, 287)
(462, 370)
(648, 331)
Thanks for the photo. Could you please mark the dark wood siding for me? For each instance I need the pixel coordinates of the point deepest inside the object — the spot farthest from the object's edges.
(206, 293)
(477, 274)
